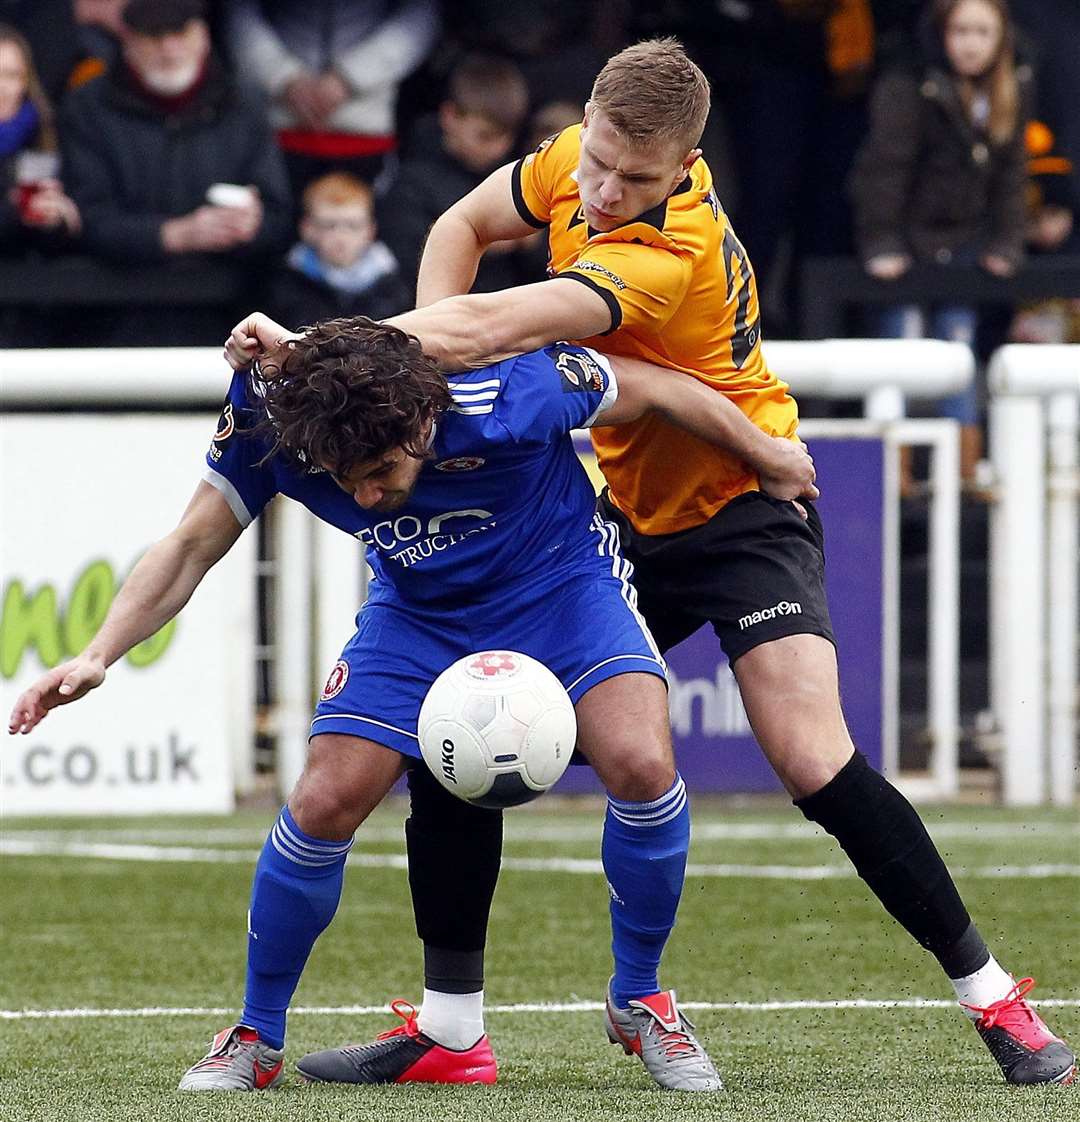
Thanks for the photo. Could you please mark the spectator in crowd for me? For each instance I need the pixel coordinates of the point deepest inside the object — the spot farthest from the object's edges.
(332, 72)
(34, 209)
(100, 30)
(35, 212)
(49, 28)
(166, 156)
(1054, 26)
(450, 154)
(338, 268)
(942, 174)
(789, 82)
(1051, 228)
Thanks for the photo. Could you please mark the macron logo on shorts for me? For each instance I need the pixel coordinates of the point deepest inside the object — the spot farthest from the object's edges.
(784, 608)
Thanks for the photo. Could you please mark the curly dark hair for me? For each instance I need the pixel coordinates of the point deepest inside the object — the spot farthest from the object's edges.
(347, 391)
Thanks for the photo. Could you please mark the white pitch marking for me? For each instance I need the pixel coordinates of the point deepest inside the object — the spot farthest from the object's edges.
(540, 831)
(25, 847)
(522, 1007)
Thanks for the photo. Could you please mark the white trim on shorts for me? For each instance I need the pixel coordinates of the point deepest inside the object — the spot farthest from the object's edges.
(623, 570)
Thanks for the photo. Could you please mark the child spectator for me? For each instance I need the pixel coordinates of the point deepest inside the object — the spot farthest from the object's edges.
(448, 156)
(941, 176)
(337, 268)
(34, 210)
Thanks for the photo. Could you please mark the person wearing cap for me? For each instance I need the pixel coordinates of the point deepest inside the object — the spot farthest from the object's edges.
(144, 143)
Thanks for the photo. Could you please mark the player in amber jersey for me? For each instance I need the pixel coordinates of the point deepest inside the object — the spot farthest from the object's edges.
(644, 263)
(680, 292)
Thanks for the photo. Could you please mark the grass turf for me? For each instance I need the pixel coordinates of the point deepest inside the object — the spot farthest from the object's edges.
(83, 932)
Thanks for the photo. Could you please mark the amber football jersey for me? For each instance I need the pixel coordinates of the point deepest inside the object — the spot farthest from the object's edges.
(681, 294)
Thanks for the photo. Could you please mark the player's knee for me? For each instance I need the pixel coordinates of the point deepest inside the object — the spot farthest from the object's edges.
(321, 804)
(642, 775)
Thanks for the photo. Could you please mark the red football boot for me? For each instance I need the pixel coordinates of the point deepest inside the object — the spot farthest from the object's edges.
(1026, 1049)
(402, 1055)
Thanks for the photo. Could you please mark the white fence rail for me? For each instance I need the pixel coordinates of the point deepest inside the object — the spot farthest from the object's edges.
(1034, 559)
(1034, 415)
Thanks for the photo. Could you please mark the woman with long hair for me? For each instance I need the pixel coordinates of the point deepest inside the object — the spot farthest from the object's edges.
(941, 176)
(32, 199)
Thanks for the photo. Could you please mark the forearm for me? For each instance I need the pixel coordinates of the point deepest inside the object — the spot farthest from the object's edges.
(704, 412)
(451, 255)
(159, 586)
(461, 332)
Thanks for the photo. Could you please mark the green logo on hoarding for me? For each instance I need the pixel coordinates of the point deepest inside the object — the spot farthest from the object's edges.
(57, 632)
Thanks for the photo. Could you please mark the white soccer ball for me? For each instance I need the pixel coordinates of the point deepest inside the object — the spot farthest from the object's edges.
(497, 728)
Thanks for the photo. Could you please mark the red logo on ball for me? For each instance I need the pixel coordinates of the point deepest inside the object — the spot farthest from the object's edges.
(336, 682)
(493, 664)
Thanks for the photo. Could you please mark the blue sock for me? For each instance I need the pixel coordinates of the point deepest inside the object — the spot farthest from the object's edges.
(644, 852)
(295, 894)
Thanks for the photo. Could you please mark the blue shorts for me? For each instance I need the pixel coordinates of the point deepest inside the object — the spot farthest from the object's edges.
(585, 629)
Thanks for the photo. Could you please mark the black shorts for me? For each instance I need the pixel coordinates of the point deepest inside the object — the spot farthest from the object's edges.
(755, 571)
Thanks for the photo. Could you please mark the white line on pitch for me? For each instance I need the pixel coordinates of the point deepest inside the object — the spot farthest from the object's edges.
(525, 1007)
(25, 847)
(523, 829)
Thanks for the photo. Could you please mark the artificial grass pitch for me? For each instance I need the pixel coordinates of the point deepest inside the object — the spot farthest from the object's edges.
(90, 932)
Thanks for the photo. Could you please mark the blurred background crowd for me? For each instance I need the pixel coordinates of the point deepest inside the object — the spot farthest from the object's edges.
(292, 154)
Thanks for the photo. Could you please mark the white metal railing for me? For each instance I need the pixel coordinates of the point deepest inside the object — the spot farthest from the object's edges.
(1034, 551)
(320, 572)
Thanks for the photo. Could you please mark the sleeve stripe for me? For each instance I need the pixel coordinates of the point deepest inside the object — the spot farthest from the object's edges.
(230, 494)
(611, 394)
(519, 198)
(608, 296)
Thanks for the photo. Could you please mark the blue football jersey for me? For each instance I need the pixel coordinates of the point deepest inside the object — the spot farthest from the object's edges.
(502, 500)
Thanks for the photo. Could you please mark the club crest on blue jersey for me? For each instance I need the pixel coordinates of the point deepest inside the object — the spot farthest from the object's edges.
(226, 426)
(336, 682)
(579, 372)
(461, 463)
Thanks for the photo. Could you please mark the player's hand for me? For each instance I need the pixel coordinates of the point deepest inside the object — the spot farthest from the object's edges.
(888, 266)
(255, 336)
(60, 686)
(788, 473)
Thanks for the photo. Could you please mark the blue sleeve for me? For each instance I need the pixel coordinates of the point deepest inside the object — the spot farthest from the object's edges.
(549, 392)
(232, 460)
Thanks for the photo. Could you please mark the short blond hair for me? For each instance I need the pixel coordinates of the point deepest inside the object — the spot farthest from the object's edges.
(337, 188)
(652, 91)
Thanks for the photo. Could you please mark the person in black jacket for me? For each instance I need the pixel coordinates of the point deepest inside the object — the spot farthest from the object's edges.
(941, 177)
(337, 268)
(145, 142)
(447, 157)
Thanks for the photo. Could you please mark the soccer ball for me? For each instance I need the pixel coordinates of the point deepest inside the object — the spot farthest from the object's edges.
(497, 728)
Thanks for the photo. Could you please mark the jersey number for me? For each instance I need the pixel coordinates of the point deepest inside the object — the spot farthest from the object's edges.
(744, 335)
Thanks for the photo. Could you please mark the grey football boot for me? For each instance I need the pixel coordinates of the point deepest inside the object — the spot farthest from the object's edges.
(654, 1029)
(237, 1061)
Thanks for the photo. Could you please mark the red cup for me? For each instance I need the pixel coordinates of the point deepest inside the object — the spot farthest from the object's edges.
(25, 194)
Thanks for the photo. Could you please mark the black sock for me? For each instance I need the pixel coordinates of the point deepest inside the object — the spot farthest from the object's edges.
(891, 850)
(451, 896)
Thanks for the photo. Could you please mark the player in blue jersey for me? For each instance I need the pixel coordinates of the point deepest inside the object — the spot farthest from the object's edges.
(481, 528)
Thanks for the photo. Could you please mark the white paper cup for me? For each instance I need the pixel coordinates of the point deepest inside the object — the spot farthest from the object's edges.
(230, 195)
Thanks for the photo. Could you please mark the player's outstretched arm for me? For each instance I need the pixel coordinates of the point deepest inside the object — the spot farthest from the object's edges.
(784, 467)
(464, 332)
(158, 587)
(457, 240)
